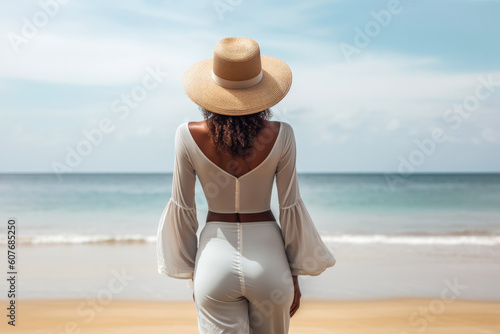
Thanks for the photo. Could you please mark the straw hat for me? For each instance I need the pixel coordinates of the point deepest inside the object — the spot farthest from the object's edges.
(237, 80)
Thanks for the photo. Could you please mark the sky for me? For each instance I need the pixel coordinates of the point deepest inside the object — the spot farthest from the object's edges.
(378, 86)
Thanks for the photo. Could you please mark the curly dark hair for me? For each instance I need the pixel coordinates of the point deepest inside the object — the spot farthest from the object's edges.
(235, 134)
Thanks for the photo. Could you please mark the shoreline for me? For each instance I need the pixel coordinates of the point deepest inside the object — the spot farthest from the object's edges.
(388, 315)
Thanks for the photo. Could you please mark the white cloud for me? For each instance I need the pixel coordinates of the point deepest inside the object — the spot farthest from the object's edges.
(89, 61)
(490, 135)
(392, 125)
(375, 98)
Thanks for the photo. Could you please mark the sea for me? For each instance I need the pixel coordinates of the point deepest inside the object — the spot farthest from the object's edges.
(392, 235)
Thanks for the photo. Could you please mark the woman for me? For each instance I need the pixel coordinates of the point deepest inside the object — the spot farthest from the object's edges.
(244, 268)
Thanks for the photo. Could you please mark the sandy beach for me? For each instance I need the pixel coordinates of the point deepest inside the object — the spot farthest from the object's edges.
(394, 262)
(399, 316)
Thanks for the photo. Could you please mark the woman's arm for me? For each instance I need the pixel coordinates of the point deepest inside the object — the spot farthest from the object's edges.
(176, 239)
(296, 296)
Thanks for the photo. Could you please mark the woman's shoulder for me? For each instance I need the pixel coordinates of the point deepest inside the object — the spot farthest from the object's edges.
(190, 126)
(282, 125)
(183, 135)
(196, 124)
(196, 128)
(286, 130)
(200, 127)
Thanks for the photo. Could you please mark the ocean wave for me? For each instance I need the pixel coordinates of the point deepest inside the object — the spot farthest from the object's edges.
(466, 237)
(83, 239)
(414, 239)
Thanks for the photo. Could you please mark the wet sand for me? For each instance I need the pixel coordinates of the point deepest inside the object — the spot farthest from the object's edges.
(387, 316)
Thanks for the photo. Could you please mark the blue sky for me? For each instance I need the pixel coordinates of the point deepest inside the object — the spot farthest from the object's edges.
(412, 97)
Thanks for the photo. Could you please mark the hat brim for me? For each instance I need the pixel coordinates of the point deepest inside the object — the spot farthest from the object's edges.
(205, 92)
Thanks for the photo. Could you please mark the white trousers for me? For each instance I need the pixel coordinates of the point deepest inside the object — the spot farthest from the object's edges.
(242, 279)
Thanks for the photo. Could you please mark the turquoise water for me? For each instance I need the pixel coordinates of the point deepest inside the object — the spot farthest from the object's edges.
(423, 208)
(388, 242)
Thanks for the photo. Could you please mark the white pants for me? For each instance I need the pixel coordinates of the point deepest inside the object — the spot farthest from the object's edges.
(242, 279)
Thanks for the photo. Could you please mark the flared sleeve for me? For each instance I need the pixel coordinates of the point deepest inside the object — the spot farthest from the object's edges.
(307, 253)
(177, 242)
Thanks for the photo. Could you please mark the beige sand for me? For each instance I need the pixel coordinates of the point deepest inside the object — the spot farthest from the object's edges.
(398, 316)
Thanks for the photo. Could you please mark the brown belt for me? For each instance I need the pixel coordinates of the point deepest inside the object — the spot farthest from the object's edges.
(241, 217)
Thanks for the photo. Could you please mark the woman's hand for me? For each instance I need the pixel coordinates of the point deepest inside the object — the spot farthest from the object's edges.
(296, 296)
(191, 285)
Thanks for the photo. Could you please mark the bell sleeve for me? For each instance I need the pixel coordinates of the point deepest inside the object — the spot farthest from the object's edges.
(177, 241)
(306, 252)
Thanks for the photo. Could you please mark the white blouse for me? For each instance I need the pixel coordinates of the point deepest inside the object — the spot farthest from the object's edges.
(177, 241)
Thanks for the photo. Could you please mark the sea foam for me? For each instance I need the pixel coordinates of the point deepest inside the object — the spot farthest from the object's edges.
(464, 238)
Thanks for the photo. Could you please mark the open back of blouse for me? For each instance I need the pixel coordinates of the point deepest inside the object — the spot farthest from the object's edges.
(177, 241)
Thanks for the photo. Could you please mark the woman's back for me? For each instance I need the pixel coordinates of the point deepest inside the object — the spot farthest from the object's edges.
(239, 184)
(236, 166)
